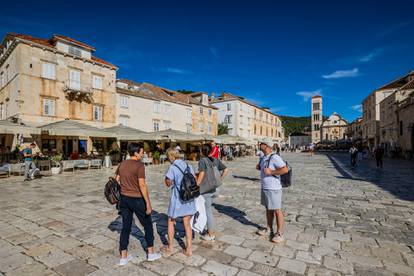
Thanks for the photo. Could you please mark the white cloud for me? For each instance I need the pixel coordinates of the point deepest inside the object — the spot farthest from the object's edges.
(357, 107)
(371, 56)
(342, 74)
(175, 70)
(306, 95)
(213, 51)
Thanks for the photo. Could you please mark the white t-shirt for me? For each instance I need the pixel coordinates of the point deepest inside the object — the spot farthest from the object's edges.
(271, 182)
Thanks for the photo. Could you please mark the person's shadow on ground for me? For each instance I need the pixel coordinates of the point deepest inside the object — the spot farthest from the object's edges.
(236, 214)
(161, 221)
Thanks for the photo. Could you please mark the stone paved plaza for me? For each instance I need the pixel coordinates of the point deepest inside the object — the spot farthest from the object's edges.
(339, 222)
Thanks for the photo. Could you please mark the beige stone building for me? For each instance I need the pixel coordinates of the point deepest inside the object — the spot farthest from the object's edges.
(334, 128)
(248, 120)
(204, 115)
(371, 118)
(150, 108)
(396, 117)
(355, 130)
(46, 80)
(406, 124)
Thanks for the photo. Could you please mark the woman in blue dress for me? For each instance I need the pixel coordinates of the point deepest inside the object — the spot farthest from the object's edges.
(178, 208)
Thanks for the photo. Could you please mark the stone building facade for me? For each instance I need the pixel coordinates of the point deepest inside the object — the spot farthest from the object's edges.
(150, 108)
(248, 120)
(204, 115)
(334, 128)
(48, 80)
(316, 118)
(396, 117)
(355, 130)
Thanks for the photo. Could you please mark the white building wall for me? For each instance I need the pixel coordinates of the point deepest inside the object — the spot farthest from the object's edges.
(223, 112)
(141, 115)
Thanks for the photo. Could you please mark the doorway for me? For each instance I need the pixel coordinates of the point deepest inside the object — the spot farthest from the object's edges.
(82, 146)
(67, 147)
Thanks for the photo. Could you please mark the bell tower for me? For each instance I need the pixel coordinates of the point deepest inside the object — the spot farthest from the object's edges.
(316, 118)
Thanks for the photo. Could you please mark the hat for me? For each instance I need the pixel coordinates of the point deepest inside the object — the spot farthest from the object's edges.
(267, 143)
(178, 148)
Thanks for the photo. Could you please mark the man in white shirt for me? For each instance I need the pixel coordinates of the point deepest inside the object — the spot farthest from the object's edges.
(271, 167)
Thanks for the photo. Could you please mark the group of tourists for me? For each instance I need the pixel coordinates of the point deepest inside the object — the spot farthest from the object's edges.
(357, 154)
(192, 195)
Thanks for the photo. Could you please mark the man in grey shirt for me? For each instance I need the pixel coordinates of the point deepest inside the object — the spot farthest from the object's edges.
(271, 167)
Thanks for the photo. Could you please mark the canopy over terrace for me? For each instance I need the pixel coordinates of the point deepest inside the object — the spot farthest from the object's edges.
(7, 127)
(232, 140)
(73, 128)
(12, 134)
(128, 133)
(71, 136)
(175, 136)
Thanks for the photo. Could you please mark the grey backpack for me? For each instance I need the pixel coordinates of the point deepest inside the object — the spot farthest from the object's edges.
(212, 177)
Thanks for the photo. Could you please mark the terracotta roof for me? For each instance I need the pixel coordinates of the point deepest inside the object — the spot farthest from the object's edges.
(399, 83)
(73, 41)
(52, 44)
(316, 96)
(150, 91)
(409, 85)
(228, 97)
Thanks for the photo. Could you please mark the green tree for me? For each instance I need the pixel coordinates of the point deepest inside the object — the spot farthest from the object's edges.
(223, 129)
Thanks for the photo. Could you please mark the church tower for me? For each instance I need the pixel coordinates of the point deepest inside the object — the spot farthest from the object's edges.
(316, 118)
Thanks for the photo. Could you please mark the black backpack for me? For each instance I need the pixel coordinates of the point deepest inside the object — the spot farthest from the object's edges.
(285, 179)
(112, 191)
(189, 188)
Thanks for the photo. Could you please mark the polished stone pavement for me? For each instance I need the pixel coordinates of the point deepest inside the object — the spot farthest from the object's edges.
(340, 221)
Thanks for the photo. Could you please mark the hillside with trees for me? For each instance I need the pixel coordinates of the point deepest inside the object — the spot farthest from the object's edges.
(295, 124)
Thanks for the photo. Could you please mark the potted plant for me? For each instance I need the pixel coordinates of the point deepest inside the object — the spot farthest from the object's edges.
(156, 157)
(56, 163)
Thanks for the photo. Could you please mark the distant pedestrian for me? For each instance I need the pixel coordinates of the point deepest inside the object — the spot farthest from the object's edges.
(28, 161)
(271, 167)
(178, 208)
(134, 200)
(215, 150)
(207, 167)
(379, 155)
(311, 149)
(353, 151)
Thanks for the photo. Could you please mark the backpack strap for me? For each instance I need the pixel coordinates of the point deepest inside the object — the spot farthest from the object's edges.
(183, 172)
(268, 160)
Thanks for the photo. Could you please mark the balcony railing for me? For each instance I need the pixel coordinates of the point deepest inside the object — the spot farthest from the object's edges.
(79, 95)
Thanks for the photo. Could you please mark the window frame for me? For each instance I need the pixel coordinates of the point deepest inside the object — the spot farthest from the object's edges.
(46, 70)
(94, 78)
(99, 108)
(73, 83)
(52, 107)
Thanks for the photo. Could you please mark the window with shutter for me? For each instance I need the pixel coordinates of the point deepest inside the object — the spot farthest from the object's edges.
(48, 70)
(74, 79)
(97, 82)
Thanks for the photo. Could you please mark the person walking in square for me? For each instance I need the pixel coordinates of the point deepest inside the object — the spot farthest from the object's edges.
(178, 208)
(271, 167)
(379, 155)
(134, 200)
(206, 173)
(28, 161)
(353, 151)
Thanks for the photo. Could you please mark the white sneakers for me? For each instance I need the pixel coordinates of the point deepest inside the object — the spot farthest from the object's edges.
(278, 238)
(124, 261)
(208, 237)
(150, 258)
(153, 257)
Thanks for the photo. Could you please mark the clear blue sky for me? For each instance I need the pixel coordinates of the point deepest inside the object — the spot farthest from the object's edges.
(275, 54)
